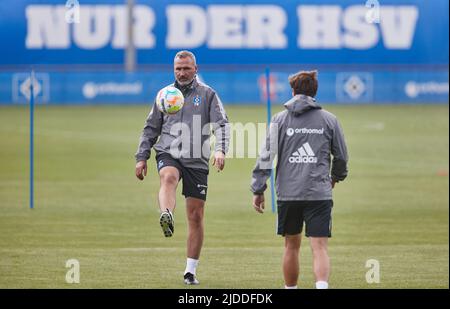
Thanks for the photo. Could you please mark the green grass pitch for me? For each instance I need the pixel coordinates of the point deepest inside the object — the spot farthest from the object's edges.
(89, 206)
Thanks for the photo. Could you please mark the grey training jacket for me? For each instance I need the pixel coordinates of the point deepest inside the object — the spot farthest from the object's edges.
(303, 137)
(185, 135)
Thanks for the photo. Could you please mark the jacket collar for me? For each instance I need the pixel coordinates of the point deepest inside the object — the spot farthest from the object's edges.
(187, 88)
(300, 104)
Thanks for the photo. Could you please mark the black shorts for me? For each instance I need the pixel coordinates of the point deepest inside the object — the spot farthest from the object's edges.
(195, 180)
(315, 214)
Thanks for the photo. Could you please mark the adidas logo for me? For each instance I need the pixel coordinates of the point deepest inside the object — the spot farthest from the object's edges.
(202, 191)
(303, 155)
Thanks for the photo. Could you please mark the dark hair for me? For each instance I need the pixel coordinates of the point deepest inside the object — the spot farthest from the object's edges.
(304, 82)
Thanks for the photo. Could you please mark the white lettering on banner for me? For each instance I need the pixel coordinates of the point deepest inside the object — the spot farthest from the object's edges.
(226, 26)
(319, 26)
(414, 89)
(187, 26)
(144, 21)
(398, 24)
(120, 34)
(265, 25)
(93, 31)
(327, 27)
(91, 90)
(221, 27)
(359, 34)
(47, 27)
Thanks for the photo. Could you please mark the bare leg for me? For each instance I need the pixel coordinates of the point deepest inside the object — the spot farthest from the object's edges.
(321, 261)
(290, 259)
(195, 211)
(168, 177)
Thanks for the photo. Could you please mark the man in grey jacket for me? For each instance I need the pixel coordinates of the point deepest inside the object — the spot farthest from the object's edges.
(183, 151)
(303, 137)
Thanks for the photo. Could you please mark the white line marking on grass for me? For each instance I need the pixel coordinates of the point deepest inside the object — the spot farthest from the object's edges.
(150, 249)
(377, 126)
(239, 249)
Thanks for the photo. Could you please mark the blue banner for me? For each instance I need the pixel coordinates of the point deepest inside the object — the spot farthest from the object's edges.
(351, 87)
(323, 32)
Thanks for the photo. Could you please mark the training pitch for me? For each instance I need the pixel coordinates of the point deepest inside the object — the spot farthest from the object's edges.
(89, 206)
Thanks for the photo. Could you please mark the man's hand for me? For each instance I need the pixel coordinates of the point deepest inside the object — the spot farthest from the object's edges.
(219, 160)
(333, 182)
(141, 169)
(258, 203)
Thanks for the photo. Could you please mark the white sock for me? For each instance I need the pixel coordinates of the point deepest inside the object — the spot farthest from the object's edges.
(321, 285)
(290, 287)
(191, 266)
